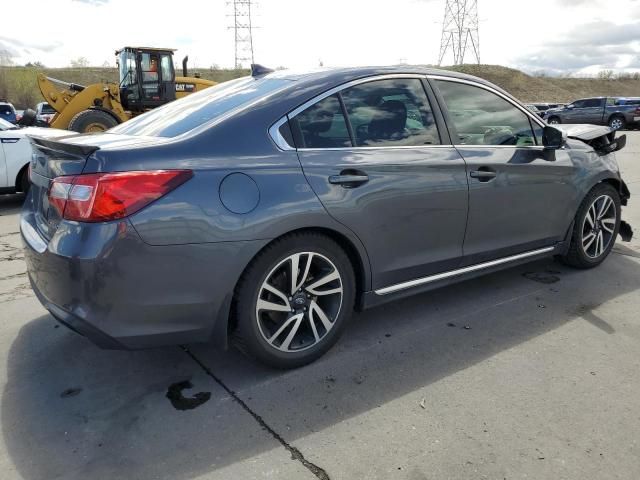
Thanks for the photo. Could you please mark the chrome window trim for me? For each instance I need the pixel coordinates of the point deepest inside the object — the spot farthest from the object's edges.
(492, 90)
(276, 136)
(283, 145)
(460, 271)
(352, 83)
(392, 147)
(524, 147)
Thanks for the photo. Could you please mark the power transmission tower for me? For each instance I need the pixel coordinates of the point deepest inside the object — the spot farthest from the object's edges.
(243, 30)
(460, 31)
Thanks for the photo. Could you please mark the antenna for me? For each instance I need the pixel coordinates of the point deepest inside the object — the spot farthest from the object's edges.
(460, 31)
(243, 30)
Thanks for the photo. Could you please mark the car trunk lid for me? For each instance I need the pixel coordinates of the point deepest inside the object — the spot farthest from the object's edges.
(51, 159)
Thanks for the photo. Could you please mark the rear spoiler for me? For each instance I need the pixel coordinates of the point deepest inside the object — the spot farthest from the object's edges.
(65, 147)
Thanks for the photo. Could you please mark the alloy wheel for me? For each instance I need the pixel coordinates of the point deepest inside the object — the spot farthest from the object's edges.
(598, 226)
(299, 302)
(616, 124)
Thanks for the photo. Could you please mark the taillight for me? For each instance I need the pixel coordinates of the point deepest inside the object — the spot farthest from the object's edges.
(637, 112)
(100, 197)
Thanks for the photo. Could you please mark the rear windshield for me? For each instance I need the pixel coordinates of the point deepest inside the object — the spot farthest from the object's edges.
(181, 116)
(47, 109)
(6, 110)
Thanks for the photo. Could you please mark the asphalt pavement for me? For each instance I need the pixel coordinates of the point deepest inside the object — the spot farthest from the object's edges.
(529, 373)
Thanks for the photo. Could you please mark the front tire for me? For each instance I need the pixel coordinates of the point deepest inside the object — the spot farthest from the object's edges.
(595, 229)
(92, 121)
(294, 300)
(554, 121)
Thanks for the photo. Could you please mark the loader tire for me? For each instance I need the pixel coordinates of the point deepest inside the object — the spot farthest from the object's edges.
(91, 121)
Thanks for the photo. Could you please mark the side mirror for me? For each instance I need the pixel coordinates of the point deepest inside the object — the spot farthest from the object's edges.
(569, 107)
(552, 138)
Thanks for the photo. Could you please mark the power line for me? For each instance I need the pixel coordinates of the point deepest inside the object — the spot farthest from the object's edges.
(460, 31)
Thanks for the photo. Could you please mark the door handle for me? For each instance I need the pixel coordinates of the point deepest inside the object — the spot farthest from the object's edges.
(349, 179)
(483, 175)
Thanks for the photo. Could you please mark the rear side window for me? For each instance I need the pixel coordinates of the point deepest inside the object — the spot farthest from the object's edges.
(394, 112)
(381, 113)
(322, 125)
(481, 117)
(593, 102)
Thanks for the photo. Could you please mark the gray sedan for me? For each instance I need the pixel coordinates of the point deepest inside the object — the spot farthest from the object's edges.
(265, 209)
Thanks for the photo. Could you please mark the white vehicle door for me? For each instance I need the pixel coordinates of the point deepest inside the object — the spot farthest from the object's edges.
(3, 164)
(17, 154)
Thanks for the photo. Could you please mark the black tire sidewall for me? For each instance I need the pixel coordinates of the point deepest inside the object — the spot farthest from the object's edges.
(247, 329)
(23, 183)
(81, 120)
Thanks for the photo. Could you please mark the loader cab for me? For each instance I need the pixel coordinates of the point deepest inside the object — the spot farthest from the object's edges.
(147, 77)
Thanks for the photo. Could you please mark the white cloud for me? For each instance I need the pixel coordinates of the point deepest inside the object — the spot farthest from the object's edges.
(296, 33)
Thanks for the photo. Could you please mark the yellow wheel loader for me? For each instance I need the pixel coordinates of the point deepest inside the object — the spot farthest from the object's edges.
(147, 80)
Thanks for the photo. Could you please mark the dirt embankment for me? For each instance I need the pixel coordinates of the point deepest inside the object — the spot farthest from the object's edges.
(18, 84)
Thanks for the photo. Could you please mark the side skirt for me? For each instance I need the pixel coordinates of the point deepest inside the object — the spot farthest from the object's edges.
(405, 289)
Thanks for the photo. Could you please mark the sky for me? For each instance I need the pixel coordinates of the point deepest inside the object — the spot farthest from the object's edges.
(551, 36)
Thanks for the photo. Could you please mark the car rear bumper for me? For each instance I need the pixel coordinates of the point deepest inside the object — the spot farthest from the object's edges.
(102, 281)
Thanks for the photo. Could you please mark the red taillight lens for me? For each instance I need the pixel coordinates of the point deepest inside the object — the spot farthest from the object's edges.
(637, 112)
(100, 197)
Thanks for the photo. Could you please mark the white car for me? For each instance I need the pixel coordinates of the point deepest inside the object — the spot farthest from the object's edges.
(15, 154)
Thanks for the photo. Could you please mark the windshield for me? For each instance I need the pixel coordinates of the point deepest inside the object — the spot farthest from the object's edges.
(47, 109)
(127, 67)
(4, 125)
(181, 116)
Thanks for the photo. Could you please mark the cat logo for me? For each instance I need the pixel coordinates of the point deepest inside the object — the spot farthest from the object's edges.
(185, 87)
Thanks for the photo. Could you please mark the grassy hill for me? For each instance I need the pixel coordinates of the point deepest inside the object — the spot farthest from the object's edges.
(551, 89)
(18, 84)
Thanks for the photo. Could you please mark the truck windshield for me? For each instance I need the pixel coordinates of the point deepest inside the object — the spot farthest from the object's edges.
(127, 66)
(192, 111)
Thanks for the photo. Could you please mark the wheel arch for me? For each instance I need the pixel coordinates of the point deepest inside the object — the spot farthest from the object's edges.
(614, 115)
(606, 178)
(23, 171)
(619, 185)
(359, 262)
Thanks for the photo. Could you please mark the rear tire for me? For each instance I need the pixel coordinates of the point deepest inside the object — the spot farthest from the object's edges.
(92, 121)
(288, 323)
(595, 228)
(23, 183)
(617, 122)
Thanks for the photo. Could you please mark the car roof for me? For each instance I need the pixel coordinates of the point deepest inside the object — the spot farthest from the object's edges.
(332, 77)
(353, 73)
